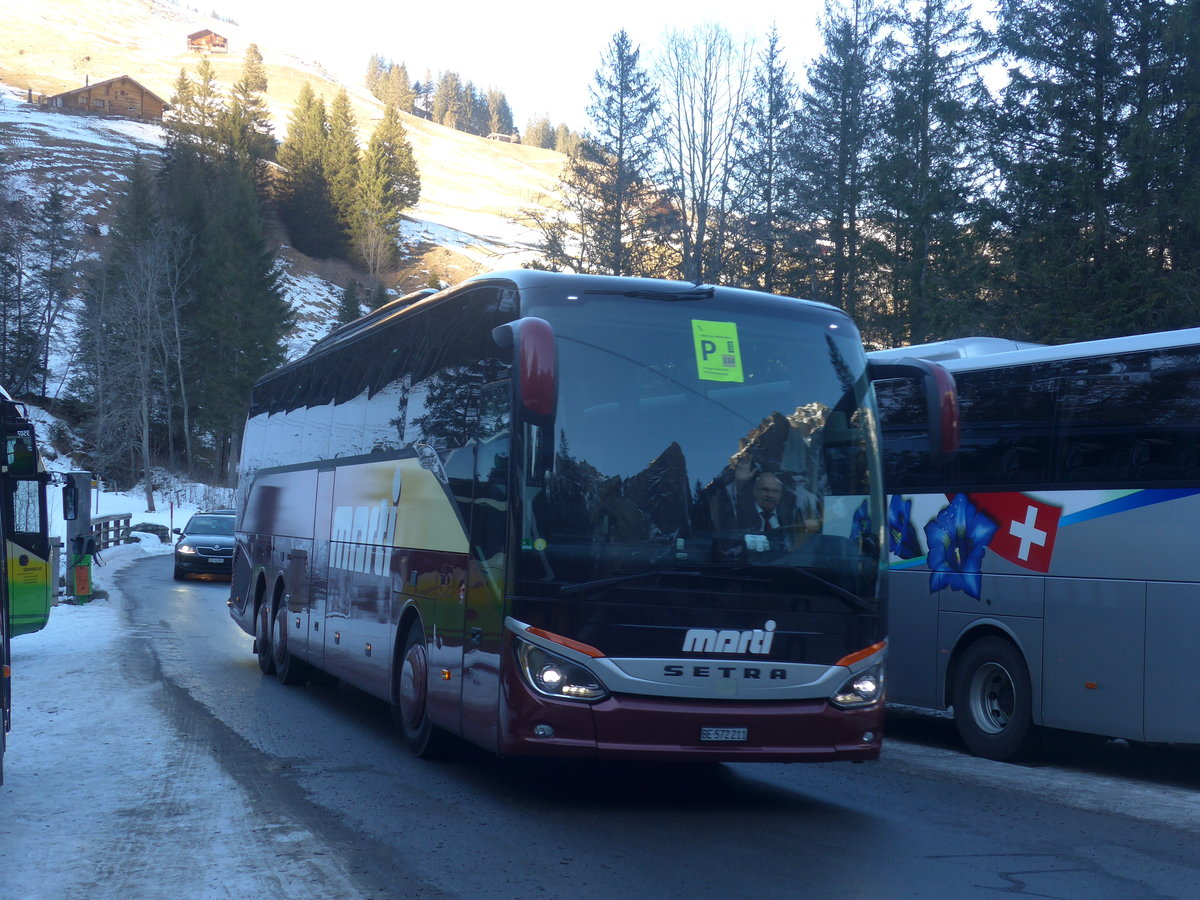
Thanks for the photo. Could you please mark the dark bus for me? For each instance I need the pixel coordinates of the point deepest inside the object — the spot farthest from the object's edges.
(525, 511)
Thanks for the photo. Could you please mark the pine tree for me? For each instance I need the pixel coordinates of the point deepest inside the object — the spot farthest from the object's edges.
(389, 183)
(238, 318)
(447, 106)
(305, 203)
(246, 130)
(1071, 271)
(566, 141)
(615, 169)
(230, 330)
(341, 162)
(57, 247)
(395, 88)
(765, 172)
(930, 167)
(839, 119)
(539, 133)
(349, 305)
(254, 73)
(207, 105)
(500, 120)
(376, 68)
(475, 114)
(18, 310)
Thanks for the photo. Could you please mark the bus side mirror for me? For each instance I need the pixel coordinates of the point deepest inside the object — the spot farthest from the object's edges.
(70, 499)
(941, 399)
(535, 367)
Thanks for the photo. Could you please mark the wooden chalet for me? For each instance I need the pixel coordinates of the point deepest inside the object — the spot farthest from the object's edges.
(120, 96)
(207, 41)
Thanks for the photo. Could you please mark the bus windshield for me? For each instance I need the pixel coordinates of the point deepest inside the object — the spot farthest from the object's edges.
(692, 437)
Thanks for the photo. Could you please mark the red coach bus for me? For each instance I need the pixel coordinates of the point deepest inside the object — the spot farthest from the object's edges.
(525, 511)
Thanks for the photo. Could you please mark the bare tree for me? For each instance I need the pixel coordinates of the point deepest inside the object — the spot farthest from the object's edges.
(703, 77)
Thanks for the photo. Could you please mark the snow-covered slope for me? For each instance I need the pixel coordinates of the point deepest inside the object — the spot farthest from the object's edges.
(473, 189)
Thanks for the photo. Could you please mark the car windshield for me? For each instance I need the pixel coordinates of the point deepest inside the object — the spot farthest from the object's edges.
(210, 525)
(667, 454)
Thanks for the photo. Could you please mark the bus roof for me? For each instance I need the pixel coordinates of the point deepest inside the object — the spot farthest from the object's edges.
(524, 279)
(956, 348)
(993, 353)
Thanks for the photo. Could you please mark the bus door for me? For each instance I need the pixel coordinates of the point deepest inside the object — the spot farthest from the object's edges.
(318, 585)
(485, 585)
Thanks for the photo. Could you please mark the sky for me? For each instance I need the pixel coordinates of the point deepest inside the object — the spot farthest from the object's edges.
(542, 55)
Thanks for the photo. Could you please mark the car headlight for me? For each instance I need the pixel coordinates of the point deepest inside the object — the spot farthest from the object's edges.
(185, 548)
(554, 676)
(863, 688)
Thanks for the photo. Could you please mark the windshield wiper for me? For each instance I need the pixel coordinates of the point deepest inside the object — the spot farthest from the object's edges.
(621, 579)
(696, 292)
(836, 590)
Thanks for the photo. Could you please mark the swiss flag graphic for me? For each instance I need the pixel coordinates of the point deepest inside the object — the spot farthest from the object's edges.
(1025, 528)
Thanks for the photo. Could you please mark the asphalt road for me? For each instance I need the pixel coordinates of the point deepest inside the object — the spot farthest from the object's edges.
(926, 821)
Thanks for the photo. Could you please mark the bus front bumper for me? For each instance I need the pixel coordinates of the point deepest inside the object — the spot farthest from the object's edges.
(652, 728)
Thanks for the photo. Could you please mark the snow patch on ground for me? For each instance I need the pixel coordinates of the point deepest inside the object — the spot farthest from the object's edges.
(92, 749)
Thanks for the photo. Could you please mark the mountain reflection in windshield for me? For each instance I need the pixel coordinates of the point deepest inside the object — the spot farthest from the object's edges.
(659, 460)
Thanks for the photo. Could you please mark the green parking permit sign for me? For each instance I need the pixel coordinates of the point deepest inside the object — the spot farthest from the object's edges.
(718, 356)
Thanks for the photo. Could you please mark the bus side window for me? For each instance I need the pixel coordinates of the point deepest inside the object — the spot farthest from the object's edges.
(902, 419)
(21, 461)
(1102, 404)
(1006, 415)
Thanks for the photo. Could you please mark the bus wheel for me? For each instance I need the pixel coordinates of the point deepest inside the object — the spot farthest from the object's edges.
(410, 704)
(993, 701)
(288, 669)
(262, 639)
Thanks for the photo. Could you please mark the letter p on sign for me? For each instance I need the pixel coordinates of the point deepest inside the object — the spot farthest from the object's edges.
(718, 355)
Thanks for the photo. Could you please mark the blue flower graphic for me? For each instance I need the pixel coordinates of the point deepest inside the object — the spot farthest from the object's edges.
(958, 539)
(902, 536)
(862, 521)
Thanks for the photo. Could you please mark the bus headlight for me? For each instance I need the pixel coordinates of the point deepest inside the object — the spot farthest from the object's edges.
(864, 688)
(554, 676)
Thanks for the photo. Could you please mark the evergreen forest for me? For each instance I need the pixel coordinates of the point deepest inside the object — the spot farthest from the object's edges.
(1037, 178)
(181, 311)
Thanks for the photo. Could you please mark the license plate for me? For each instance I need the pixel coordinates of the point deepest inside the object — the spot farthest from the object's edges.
(216, 560)
(722, 734)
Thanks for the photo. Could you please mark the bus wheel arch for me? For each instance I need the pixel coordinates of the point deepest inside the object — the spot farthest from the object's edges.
(410, 689)
(288, 669)
(992, 694)
(262, 626)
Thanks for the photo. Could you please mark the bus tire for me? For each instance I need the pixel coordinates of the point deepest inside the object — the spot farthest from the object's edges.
(262, 638)
(410, 696)
(993, 701)
(288, 669)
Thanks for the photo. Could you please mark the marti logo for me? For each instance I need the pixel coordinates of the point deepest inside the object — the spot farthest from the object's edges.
(706, 640)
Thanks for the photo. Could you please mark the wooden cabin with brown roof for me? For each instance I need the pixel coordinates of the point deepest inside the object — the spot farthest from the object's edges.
(207, 41)
(120, 96)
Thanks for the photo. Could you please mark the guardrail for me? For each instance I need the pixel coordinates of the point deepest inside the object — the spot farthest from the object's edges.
(112, 530)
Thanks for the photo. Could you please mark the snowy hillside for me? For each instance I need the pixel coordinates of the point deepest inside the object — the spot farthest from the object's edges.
(86, 157)
(472, 189)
